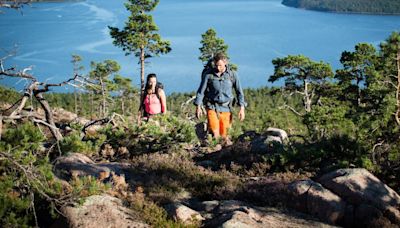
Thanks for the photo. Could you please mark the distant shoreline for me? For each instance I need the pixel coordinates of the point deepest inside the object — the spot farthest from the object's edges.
(387, 8)
(37, 1)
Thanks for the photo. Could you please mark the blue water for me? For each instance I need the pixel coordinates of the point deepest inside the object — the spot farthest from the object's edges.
(256, 31)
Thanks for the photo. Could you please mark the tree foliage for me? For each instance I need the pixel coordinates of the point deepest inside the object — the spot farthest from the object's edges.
(348, 6)
(139, 35)
(25, 176)
(212, 45)
(354, 119)
(302, 75)
(101, 74)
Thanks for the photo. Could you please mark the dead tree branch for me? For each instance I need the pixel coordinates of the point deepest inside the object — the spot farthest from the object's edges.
(95, 122)
(14, 4)
(291, 109)
(36, 89)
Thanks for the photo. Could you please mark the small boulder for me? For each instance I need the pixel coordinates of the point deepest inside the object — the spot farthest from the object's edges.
(62, 115)
(312, 198)
(360, 186)
(184, 214)
(273, 139)
(101, 211)
(209, 206)
(238, 219)
(78, 165)
(278, 133)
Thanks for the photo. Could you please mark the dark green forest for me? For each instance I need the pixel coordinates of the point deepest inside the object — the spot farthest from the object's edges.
(348, 6)
(345, 118)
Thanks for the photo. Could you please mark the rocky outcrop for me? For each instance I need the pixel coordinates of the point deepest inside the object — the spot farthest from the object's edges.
(349, 197)
(61, 115)
(310, 197)
(370, 200)
(345, 197)
(234, 213)
(79, 165)
(359, 186)
(101, 211)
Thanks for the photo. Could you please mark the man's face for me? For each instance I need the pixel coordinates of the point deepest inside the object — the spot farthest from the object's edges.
(221, 66)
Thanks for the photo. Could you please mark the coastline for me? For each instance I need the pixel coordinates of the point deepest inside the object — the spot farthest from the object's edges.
(54, 1)
(341, 12)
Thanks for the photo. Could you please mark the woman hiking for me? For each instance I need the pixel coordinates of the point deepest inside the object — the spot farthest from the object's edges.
(154, 100)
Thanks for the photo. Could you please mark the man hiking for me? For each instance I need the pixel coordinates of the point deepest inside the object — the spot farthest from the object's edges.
(215, 91)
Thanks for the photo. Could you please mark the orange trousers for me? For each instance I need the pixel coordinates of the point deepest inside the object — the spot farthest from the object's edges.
(220, 123)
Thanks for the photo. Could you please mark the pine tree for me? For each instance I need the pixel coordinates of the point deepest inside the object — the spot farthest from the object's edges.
(125, 90)
(211, 45)
(390, 52)
(301, 75)
(139, 36)
(100, 73)
(358, 69)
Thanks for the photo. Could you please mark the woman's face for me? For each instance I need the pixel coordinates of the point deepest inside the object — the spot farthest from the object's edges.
(153, 82)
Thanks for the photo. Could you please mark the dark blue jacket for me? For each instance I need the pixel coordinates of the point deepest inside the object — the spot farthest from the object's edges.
(218, 90)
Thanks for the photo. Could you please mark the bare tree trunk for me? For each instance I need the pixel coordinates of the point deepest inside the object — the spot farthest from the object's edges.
(80, 103)
(21, 105)
(1, 125)
(358, 90)
(76, 101)
(25, 98)
(141, 73)
(307, 98)
(49, 115)
(103, 94)
(91, 102)
(123, 105)
(398, 89)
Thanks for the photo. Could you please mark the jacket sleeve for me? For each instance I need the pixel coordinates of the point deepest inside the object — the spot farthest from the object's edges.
(200, 91)
(239, 91)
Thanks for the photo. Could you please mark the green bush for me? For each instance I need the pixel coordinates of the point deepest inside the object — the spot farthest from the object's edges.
(73, 143)
(87, 186)
(23, 137)
(25, 176)
(158, 134)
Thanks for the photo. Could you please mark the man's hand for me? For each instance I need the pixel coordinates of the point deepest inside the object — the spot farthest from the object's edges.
(241, 113)
(199, 112)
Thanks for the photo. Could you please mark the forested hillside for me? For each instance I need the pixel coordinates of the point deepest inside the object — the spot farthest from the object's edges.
(344, 119)
(320, 150)
(348, 6)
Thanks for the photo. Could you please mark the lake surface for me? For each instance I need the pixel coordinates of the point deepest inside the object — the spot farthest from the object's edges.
(256, 31)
